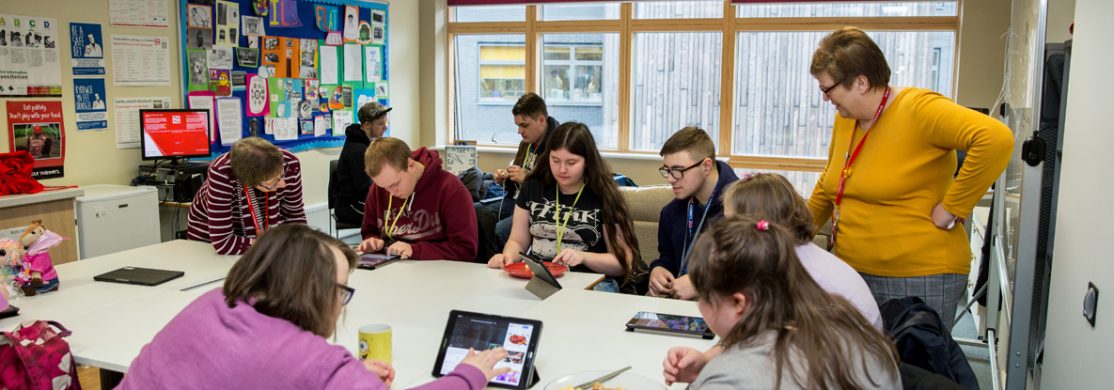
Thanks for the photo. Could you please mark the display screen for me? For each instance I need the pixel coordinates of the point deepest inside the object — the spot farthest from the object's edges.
(175, 133)
(669, 322)
(481, 334)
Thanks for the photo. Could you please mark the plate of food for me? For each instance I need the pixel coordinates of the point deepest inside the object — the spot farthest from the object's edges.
(624, 381)
(520, 270)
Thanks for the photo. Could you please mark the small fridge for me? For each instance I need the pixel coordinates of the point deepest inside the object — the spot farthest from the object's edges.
(113, 218)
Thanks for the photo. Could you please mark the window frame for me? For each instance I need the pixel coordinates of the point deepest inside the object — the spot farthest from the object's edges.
(729, 26)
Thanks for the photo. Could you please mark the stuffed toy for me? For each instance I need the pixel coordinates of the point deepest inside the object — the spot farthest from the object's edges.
(38, 273)
(10, 264)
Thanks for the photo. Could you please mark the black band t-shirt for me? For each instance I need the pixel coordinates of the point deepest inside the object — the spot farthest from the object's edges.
(583, 232)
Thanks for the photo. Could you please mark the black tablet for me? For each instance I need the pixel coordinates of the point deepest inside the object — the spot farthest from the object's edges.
(669, 323)
(519, 336)
(543, 284)
(140, 276)
(375, 260)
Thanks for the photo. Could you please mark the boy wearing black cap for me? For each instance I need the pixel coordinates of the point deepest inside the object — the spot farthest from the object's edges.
(352, 181)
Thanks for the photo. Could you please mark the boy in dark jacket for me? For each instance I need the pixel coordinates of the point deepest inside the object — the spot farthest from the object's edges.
(414, 207)
(352, 180)
(698, 180)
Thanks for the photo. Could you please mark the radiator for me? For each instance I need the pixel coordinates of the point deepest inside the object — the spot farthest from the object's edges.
(317, 217)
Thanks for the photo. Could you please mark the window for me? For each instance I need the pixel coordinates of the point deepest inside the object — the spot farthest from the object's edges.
(502, 72)
(685, 9)
(580, 81)
(673, 86)
(553, 12)
(847, 9)
(636, 72)
(780, 111)
(490, 74)
(803, 181)
(499, 13)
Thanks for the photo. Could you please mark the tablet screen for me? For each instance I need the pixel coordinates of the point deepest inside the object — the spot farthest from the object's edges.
(669, 322)
(482, 332)
(372, 260)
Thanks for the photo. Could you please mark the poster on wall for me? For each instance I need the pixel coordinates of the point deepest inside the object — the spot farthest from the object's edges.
(228, 23)
(37, 127)
(126, 112)
(86, 49)
(89, 97)
(139, 60)
(29, 57)
(140, 13)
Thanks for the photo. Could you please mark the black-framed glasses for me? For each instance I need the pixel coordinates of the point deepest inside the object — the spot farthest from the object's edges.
(829, 89)
(346, 293)
(677, 173)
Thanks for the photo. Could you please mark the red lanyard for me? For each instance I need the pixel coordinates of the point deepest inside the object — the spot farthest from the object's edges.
(255, 216)
(850, 157)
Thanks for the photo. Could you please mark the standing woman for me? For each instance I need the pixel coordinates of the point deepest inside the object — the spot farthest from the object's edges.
(888, 187)
(252, 188)
(570, 210)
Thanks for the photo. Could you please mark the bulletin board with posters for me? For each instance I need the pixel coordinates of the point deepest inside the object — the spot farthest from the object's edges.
(292, 72)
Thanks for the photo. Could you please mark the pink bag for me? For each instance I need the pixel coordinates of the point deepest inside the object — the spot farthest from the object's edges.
(34, 357)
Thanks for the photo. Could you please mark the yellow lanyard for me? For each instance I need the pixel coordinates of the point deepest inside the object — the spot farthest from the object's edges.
(390, 200)
(528, 161)
(557, 214)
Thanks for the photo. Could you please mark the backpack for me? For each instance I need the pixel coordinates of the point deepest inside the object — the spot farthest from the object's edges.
(35, 357)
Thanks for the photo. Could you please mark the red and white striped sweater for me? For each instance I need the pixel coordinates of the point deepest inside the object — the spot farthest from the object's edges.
(221, 212)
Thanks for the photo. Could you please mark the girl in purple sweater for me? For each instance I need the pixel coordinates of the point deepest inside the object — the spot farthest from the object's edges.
(267, 328)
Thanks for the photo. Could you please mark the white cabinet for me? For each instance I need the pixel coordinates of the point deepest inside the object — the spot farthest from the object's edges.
(113, 218)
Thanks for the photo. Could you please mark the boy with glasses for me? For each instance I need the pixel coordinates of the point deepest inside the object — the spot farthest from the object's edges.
(698, 180)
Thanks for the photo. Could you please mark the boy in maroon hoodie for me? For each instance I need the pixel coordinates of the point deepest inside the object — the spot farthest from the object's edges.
(414, 208)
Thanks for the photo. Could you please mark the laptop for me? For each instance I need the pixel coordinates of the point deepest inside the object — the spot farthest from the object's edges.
(140, 276)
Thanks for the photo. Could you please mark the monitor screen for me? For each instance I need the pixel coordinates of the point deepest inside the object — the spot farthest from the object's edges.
(174, 133)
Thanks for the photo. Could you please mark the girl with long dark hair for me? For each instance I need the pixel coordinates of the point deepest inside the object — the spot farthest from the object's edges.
(570, 210)
(778, 328)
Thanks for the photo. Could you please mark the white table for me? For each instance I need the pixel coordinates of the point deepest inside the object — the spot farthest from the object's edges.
(583, 330)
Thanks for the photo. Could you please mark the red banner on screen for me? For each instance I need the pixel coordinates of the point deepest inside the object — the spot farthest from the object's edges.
(175, 134)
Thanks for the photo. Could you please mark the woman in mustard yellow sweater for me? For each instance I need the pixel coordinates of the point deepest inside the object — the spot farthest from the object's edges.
(888, 187)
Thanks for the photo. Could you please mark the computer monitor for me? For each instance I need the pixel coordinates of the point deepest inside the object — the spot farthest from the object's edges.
(181, 133)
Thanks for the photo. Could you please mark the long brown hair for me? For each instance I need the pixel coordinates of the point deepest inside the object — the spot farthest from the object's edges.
(774, 198)
(738, 255)
(291, 274)
(577, 139)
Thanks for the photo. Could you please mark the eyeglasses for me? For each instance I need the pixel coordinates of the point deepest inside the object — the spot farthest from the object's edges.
(677, 173)
(346, 293)
(270, 185)
(829, 89)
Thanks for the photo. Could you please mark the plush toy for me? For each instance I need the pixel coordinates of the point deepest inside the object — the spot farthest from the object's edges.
(38, 273)
(10, 264)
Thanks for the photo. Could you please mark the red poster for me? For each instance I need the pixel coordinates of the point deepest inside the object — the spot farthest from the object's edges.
(37, 127)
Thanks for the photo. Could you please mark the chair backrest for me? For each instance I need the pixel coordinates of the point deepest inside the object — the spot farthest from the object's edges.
(332, 183)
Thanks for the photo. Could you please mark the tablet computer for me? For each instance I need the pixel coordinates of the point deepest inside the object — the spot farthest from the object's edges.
(543, 284)
(669, 323)
(375, 260)
(140, 276)
(478, 331)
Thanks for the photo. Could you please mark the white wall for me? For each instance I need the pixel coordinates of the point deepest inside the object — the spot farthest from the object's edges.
(1078, 356)
(1061, 13)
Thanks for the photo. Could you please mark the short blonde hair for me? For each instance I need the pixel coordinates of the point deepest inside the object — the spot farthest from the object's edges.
(254, 160)
(387, 150)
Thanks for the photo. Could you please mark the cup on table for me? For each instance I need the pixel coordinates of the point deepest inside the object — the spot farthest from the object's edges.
(375, 342)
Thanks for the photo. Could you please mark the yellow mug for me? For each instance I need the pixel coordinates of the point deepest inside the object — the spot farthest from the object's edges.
(375, 342)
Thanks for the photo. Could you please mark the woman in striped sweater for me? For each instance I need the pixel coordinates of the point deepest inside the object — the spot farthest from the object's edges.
(250, 189)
